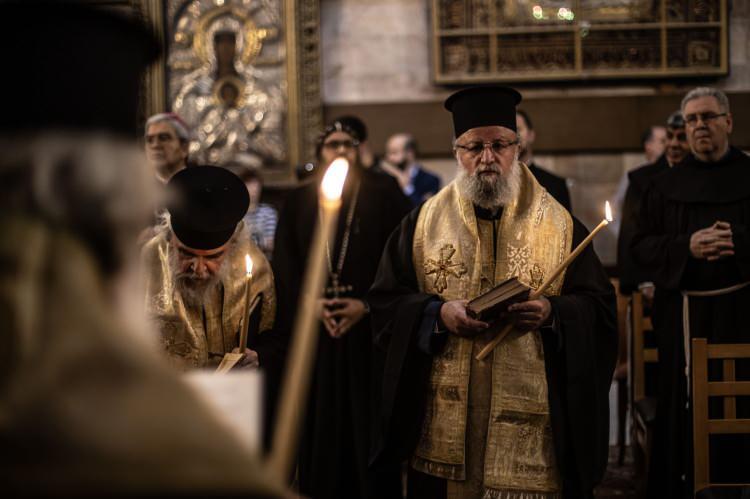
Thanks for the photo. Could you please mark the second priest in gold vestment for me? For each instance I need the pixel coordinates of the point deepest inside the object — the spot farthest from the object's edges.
(197, 273)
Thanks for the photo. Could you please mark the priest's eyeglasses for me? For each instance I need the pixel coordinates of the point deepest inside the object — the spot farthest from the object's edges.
(692, 119)
(335, 145)
(475, 149)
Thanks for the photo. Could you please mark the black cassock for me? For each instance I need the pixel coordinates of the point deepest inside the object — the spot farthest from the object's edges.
(555, 185)
(336, 432)
(579, 355)
(630, 274)
(679, 202)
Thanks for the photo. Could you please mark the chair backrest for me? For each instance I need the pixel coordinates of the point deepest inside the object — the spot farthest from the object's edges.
(640, 355)
(623, 303)
(728, 388)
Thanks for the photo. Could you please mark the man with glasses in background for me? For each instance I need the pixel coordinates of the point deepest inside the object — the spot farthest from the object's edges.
(167, 139)
(531, 419)
(692, 239)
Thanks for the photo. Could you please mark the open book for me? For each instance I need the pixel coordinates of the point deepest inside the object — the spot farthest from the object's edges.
(490, 305)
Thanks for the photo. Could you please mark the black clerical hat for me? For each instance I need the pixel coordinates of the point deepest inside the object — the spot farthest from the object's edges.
(483, 106)
(67, 66)
(355, 124)
(206, 203)
(676, 120)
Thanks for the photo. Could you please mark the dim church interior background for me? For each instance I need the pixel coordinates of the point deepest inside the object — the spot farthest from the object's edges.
(586, 132)
(375, 62)
(373, 59)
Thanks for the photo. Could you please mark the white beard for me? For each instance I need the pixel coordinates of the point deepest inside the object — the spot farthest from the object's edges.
(194, 291)
(499, 191)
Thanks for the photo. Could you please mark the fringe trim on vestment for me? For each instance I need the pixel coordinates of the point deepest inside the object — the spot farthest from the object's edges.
(519, 494)
(440, 470)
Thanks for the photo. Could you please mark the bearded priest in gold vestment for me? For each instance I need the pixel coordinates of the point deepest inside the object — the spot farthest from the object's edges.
(530, 421)
(197, 273)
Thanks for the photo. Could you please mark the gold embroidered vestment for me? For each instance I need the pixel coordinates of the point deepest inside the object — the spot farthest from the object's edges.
(498, 407)
(195, 337)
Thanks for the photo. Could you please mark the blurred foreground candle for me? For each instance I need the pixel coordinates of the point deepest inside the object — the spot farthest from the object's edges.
(541, 289)
(304, 338)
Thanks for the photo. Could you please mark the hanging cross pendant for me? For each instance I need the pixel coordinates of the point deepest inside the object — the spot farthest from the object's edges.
(336, 289)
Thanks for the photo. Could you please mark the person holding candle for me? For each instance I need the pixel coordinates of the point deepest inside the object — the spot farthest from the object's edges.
(197, 273)
(335, 434)
(531, 419)
(692, 240)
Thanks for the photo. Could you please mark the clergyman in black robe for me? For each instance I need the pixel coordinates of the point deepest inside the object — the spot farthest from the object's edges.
(578, 338)
(335, 435)
(555, 185)
(629, 273)
(693, 236)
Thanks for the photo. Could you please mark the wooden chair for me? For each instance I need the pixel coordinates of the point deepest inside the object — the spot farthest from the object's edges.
(643, 408)
(621, 370)
(729, 389)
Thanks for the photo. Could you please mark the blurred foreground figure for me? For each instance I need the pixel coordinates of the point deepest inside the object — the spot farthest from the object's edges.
(86, 407)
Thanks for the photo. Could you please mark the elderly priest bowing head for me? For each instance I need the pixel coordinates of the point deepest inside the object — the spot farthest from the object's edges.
(197, 271)
(530, 420)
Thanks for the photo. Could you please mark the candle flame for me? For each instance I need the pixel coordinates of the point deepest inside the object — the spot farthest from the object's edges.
(333, 180)
(248, 264)
(608, 211)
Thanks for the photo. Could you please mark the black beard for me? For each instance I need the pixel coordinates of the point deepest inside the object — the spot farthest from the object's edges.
(402, 164)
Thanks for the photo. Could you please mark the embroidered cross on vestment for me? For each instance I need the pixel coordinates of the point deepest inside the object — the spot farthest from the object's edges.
(443, 267)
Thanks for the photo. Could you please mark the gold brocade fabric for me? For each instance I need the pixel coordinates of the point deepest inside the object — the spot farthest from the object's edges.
(503, 414)
(199, 337)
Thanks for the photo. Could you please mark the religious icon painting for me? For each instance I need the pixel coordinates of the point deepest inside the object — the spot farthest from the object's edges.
(234, 74)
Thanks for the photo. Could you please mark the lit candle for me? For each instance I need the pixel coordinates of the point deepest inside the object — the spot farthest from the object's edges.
(302, 352)
(246, 316)
(554, 275)
(231, 358)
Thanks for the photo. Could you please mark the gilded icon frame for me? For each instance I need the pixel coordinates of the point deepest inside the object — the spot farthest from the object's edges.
(303, 108)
